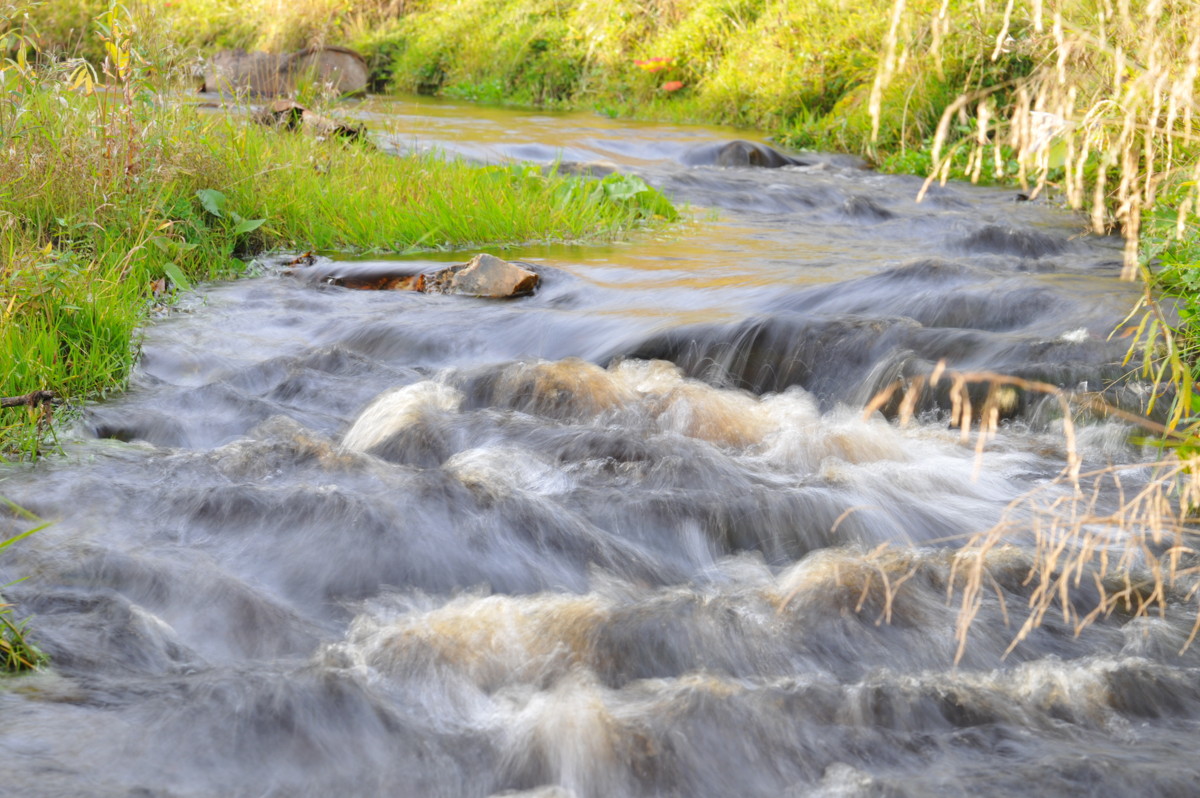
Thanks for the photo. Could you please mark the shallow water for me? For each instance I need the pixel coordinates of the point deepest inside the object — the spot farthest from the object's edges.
(617, 538)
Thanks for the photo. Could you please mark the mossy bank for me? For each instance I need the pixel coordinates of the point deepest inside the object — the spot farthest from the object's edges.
(1091, 101)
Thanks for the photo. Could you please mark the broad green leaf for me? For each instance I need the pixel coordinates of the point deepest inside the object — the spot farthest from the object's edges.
(212, 200)
(247, 225)
(177, 277)
(623, 187)
(1058, 154)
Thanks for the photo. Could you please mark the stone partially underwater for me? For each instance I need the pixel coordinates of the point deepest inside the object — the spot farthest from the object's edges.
(739, 153)
(484, 276)
(291, 115)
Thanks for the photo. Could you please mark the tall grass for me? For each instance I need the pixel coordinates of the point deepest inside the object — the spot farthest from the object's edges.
(1105, 114)
(1111, 540)
(798, 67)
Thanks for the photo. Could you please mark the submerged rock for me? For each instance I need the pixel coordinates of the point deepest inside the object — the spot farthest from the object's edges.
(484, 276)
(738, 153)
(582, 168)
(277, 74)
(291, 115)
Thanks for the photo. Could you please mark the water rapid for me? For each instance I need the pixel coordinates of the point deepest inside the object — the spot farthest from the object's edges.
(630, 536)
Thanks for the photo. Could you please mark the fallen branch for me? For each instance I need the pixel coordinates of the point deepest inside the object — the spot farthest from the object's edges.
(31, 399)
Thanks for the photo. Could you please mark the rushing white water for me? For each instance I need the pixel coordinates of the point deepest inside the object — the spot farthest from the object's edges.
(630, 536)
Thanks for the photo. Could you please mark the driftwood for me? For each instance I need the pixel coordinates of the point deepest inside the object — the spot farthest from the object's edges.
(32, 399)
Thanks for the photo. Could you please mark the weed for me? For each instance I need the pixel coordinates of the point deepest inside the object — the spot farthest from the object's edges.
(17, 652)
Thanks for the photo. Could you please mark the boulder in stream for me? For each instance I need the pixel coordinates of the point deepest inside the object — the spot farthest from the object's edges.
(277, 74)
(738, 153)
(484, 276)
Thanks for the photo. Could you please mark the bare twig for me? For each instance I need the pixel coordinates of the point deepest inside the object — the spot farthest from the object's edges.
(31, 399)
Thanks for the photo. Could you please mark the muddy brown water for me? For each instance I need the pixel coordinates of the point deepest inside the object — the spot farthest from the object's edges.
(608, 540)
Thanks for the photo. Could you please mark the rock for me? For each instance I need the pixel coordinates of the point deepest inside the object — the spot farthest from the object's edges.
(485, 276)
(291, 115)
(382, 276)
(277, 74)
(738, 153)
(582, 168)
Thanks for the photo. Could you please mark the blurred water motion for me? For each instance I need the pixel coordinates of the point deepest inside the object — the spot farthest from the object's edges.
(621, 538)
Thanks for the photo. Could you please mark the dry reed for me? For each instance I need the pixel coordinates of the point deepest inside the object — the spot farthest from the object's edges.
(1106, 115)
(1125, 536)
(1106, 119)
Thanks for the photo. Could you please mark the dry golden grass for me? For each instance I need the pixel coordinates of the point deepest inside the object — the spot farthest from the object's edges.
(1136, 546)
(1106, 115)
(1126, 535)
(1105, 118)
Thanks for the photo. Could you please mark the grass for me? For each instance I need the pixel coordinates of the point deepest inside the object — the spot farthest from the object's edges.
(803, 69)
(110, 198)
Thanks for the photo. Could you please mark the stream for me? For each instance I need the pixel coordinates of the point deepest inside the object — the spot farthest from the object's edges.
(623, 537)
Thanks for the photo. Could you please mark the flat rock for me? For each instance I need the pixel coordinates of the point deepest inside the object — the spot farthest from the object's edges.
(484, 276)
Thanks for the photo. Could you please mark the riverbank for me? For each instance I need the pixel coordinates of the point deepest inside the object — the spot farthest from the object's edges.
(1089, 102)
(113, 201)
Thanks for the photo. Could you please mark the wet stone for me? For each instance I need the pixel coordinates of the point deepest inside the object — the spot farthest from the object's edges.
(291, 115)
(739, 153)
(485, 276)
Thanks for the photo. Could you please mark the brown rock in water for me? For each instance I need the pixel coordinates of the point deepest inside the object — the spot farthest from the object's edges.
(291, 115)
(359, 276)
(383, 282)
(277, 74)
(485, 276)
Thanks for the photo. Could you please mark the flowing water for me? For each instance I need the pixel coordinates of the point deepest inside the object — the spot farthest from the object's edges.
(619, 538)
